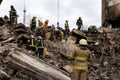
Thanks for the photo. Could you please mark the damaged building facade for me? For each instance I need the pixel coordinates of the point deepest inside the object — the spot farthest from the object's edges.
(111, 13)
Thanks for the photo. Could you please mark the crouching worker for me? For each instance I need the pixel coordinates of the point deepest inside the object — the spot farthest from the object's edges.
(81, 56)
(40, 46)
(31, 43)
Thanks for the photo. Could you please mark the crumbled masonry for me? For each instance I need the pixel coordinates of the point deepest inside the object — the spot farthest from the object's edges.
(17, 63)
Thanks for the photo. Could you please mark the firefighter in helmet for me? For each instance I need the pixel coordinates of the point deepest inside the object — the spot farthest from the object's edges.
(40, 46)
(31, 43)
(79, 23)
(67, 30)
(33, 24)
(13, 16)
(45, 26)
(81, 56)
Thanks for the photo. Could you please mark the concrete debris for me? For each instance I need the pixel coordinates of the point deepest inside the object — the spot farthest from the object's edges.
(17, 63)
(68, 68)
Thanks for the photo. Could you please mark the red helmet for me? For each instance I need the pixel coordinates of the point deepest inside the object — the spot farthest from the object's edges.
(47, 20)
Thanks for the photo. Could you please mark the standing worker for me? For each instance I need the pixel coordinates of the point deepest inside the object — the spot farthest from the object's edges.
(45, 26)
(81, 56)
(40, 23)
(31, 43)
(33, 24)
(40, 46)
(79, 23)
(67, 28)
(13, 16)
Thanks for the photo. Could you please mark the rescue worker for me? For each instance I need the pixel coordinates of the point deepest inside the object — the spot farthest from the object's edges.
(79, 23)
(40, 46)
(81, 56)
(13, 16)
(61, 35)
(45, 26)
(56, 33)
(33, 24)
(52, 32)
(31, 43)
(66, 28)
(40, 23)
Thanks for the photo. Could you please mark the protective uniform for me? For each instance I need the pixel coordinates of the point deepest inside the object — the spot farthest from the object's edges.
(45, 26)
(31, 43)
(67, 29)
(80, 65)
(66, 25)
(40, 23)
(33, 24)
(79, 23)
(61, 35)
(40, 46)
(13, 16)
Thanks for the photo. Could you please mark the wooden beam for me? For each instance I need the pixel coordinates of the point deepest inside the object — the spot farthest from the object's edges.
(34, 68)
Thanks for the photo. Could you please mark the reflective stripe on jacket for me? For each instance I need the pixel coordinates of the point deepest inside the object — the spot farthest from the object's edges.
(66, 26)
(81, 58)
(31, 42)
(40, 43)
(80, 67)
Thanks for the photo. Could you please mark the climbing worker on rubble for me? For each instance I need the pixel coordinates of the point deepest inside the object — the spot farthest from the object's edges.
(67, 31)
(40, 23)
(40, 46)
(31, 43)
(13, 16)
(81, 56)
(33, 24)
(45, 26)
(52, 32)
(79, 23)
(61, 35)
(58, 34)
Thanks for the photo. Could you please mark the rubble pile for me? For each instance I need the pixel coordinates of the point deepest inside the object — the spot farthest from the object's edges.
(106, 60)
(12, 65)
(104, 45)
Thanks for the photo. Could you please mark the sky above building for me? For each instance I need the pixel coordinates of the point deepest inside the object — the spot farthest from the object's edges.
(89, 10)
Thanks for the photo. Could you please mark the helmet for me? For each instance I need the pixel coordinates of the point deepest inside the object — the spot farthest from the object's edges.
(83, 42)
(32, 36)
(47, 20)
(66, 20)
(56, 29)
(39, 37)
(34, 17)
(11, 6)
